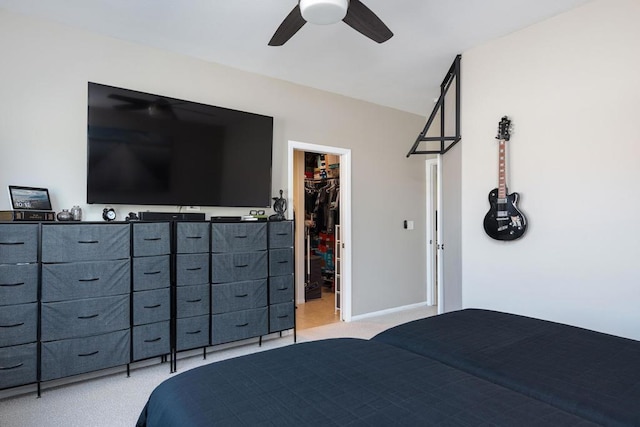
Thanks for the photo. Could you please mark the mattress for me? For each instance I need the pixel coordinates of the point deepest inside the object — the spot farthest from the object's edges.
(346, 382)
(587, 373)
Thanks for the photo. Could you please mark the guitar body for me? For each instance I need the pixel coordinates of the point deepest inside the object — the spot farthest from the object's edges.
(504, 221)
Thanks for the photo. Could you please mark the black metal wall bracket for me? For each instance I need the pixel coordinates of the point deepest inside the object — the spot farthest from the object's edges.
(452, 75)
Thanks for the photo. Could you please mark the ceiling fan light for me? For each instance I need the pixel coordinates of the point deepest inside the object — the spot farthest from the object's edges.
(323, 12)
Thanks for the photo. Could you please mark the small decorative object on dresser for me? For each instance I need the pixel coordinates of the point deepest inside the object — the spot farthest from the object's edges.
(108, 214)
(280, 206)
(64, 215)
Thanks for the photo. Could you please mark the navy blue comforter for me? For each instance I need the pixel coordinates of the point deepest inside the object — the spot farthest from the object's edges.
(345, 382)
(587, 373)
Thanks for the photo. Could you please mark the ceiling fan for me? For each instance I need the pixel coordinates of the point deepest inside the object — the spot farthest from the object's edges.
(352, 12)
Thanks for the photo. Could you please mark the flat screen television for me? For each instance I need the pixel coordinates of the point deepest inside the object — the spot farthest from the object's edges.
(145, 149)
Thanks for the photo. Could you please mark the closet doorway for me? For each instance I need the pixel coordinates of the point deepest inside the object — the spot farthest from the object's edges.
(319, 177)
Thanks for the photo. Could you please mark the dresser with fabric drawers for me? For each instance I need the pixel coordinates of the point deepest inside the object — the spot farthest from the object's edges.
(79, 297)
(239, 277)
(192, 285)
(281, 276)
(151, 286)
(85, 298)
(18, 304)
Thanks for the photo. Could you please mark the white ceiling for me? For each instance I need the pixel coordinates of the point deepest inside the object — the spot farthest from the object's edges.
(403, 73)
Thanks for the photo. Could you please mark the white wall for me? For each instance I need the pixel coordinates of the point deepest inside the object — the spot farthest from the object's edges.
(43, 107)
(572, 88)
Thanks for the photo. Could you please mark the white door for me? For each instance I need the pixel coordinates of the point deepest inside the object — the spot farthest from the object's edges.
(449, 222)
(432, 171)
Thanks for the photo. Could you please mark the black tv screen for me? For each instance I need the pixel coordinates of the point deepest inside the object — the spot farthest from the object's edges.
(146, 149)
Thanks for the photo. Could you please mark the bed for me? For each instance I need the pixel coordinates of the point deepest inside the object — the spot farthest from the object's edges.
(340, 382)
(587, 373)
(467, 368)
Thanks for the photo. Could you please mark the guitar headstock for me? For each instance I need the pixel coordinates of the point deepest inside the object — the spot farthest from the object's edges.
(504, 129)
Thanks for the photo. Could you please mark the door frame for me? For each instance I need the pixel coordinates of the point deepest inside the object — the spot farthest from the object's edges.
(345, 216)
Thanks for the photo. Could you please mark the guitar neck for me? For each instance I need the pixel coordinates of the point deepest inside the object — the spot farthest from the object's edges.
(502, 181)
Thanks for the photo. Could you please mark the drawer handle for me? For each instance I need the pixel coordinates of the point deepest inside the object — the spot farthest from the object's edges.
(194, 333)
(152, 272)
(241, 237)
(152, 239)
(6, 368)
(242, 326)
(283, 262)
(89, 354)
(194, 237)
(9, 285)
(283, 289)
(194, 268)
(88, 241)
(11, 243)
(194, 300)
(242, 296)
(93, 316)
(89, 280)
(153, 306)
(15, 325)
(282, 234)
(284, 316)
(242, 266)
(154, 340)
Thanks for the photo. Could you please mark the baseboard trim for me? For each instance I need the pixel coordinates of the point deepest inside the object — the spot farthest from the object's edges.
(388, 311)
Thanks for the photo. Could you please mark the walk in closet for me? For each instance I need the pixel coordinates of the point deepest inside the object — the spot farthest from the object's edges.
(322, 217)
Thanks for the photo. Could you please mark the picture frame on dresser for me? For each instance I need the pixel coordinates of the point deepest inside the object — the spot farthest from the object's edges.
(29, 198)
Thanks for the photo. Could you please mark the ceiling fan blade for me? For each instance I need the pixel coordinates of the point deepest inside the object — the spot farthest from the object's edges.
(291, 24)
(362, 19)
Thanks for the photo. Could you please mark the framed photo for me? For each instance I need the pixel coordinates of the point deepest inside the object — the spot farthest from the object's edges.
(29, 198)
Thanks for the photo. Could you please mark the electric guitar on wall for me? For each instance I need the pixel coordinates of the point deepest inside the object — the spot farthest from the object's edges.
(504, 221)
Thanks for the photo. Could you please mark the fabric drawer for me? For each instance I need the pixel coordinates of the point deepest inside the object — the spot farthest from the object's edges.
(151, 306)
(152, 272)
(234, 267)
(238, 296)
(85, 280)
(192, 300)
(281, 316)
(84, 242)
(192, 269)
(151, 340)
(238, 237)
(192, 332)
(280, 234)
(153, 238)
(238, 325)
(18, 283)
(18, 324)
(280, 262)
(18, 365)
(281, 289)
(78, 355)
(18, 243)
(192, 237)
(90, 316)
